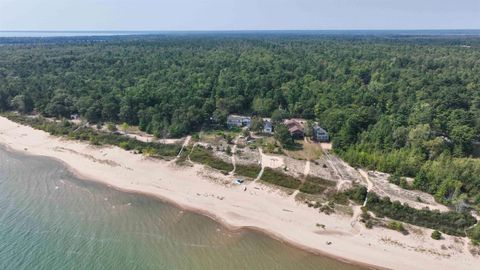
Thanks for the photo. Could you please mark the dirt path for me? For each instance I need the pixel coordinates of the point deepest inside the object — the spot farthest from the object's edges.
(191, 151)
(234, 151)
(294, 194)
(185, 144)
(357, 211)
(262, 164)
(306, 171)
(369, 184)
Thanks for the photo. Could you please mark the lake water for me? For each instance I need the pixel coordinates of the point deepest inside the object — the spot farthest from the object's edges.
(66, 33)
(37, 34)
(49, 219)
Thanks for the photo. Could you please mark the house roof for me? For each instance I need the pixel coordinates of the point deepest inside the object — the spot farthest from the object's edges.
(237, 117)
(295, 129)
(318, 128)
(293, 123)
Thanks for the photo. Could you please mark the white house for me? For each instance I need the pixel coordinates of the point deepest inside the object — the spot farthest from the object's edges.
(238, 121)
(267, 126)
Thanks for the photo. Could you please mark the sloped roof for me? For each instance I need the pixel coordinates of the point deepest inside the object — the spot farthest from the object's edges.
(295, 129)
(318, 128)
(237, 117)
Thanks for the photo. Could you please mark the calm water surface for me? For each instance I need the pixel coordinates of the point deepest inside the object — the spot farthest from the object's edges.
(51, 220)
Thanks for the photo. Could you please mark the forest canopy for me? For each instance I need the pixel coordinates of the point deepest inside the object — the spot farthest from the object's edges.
(405, 105)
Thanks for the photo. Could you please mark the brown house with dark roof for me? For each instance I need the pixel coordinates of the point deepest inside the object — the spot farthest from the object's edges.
(296, 128)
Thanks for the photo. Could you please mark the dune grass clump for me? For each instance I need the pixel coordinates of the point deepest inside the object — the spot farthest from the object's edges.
(278, 178)
(204, 156)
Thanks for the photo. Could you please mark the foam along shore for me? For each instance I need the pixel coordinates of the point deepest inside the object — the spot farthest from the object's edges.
(260, 207)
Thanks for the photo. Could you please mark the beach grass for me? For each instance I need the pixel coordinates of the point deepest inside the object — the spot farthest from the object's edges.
(304, 150)
(250, 171)
(95, 137)
(312, 188)
(281, 179)
(204, 156)
(316, 185)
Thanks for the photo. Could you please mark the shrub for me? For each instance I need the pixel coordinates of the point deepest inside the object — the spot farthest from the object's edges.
(369, 224)
(124, 145)
(474, 234)
(357, 194)
(436, 235)
(111, 127)
(397, 226)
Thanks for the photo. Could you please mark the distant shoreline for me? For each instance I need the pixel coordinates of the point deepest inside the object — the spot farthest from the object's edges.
(339, 32)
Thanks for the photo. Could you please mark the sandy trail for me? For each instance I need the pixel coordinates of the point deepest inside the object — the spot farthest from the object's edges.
(306, 171)
(262, 164)
(185, 144)
(369, 184)
(262, 208)
(234, 151)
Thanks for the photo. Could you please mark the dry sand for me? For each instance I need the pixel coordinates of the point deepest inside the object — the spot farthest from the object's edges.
(260, 207)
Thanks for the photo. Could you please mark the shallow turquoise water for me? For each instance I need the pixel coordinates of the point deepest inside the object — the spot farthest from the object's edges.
(49, 219)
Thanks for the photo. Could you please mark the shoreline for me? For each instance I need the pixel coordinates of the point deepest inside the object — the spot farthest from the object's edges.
(202, 212)
(260, 211)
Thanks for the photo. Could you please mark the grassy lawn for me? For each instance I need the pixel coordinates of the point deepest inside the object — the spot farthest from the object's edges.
(268, 145)
(278, 178)
(204, 156)
(304, 150)
(216, 137)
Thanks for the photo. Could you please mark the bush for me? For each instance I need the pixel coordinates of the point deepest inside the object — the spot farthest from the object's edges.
(474, 234)
(436, 235)
(397, 226)
(357, 194)
(369, 224)
(111, 127)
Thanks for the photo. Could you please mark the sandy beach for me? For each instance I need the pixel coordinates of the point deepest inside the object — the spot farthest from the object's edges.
(260, 207)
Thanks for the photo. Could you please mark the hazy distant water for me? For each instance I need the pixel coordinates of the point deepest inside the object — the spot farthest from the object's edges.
(37, 34)
(65, 33)
(51, 220)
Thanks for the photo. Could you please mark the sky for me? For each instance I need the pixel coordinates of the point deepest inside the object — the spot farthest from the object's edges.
(180, 15)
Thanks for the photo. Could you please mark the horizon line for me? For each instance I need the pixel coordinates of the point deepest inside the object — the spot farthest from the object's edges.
(257, 30)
